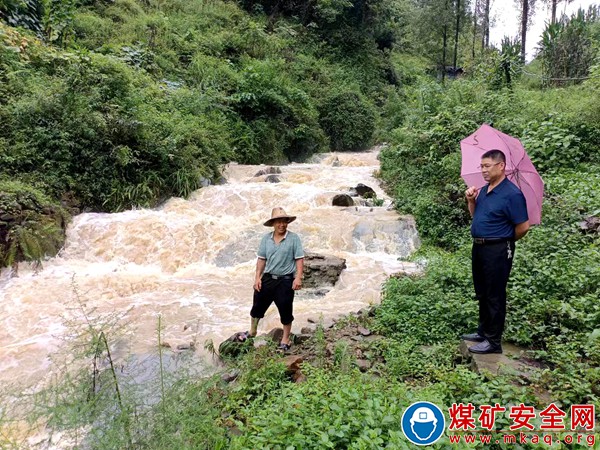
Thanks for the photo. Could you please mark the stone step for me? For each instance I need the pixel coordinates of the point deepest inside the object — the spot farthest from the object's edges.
(513, 361)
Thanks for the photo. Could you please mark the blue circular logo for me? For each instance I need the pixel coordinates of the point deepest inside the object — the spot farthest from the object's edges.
(423, 423)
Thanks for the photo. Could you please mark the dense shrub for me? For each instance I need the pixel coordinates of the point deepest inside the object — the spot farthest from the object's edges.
(282, 117)
(330, 410)
(348, 120)
(433, 308)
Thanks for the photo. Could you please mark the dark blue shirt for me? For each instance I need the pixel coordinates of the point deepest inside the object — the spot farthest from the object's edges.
(497, 212)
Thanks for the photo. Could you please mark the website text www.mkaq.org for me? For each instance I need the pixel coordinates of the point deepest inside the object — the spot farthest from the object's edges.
(523, 438)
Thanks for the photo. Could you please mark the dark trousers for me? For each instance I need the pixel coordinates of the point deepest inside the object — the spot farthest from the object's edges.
(491, 265)
(279, 291)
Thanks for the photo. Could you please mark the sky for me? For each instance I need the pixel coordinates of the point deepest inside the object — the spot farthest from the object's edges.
(507, 20)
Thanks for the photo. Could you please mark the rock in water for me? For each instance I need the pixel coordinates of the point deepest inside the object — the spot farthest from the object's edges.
(322, 270)
(233, 347)
(342, 200)
(365, 191)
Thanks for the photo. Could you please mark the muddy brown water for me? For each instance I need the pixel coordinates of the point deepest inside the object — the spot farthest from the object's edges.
(192, 261)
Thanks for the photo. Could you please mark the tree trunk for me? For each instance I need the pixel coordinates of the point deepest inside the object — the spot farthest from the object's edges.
(554, 5)
(474, 28)
(485, 38)
(444, 41)
(456, 34)
(524, 20)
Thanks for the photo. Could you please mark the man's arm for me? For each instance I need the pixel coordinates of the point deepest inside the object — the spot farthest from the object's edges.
(260, 268)
(297, 284)
(521, 230)
(471, 195)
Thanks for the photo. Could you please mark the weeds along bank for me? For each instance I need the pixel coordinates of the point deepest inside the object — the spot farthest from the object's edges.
(555, 283)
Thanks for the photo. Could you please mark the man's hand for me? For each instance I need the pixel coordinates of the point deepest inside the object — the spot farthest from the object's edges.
(257, 284)
(297, 284)
(471, 194)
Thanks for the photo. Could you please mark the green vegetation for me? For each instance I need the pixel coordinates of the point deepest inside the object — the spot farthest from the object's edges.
(118, 103)
(31, 225)
(126, 103)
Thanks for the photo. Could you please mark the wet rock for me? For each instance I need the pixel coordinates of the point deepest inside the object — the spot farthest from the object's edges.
(230, 376)
(292, 362)
(312, 320)
(233, 347)
(342, 200)
(292, 365)
(267, 171)
(364, 331)
(186, 346)
(590, 225)
(302, 338)
(328, 323)
(365, 191)
(322, 270)
(367, 312)
(261, 341)
(511, 362)
(363, 364)
(307, 330)
(272, 179)
(276, 334)
(299, 377)
(336, 162)
(387, 234)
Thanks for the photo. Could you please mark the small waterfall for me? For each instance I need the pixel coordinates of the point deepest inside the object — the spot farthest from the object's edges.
(192, 261)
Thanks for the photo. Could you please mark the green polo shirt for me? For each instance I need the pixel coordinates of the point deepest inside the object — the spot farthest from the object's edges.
(281, 258)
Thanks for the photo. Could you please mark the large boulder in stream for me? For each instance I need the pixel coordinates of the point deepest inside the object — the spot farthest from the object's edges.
(322, 270)
(268, 171)
(365, 191)
(342, 200)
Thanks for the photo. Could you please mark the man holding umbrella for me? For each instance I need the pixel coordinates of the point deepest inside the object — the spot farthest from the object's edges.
(500, 218)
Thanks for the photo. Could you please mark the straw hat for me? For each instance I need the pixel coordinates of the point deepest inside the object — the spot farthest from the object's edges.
(278, 213)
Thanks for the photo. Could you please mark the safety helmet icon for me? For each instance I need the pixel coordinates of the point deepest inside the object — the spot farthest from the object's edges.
(422, 415)
(423, 423)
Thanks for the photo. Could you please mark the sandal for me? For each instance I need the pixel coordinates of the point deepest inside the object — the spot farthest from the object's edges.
(284, 347)
(243, 336)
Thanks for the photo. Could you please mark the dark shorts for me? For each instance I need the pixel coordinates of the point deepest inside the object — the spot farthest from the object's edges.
(279, 291)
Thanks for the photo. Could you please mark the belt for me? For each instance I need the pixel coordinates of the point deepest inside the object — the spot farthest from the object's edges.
(280, 277)
(484, 241)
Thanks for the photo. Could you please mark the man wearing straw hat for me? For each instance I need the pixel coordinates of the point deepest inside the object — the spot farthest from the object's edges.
(279, 270)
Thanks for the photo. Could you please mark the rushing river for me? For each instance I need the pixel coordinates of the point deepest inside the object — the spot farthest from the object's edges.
(192, 262)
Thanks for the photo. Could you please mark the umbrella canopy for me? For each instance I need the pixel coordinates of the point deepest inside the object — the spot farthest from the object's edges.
(519, 168)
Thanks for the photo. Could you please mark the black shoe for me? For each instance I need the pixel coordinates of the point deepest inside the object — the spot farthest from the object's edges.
(475, 337)
(485, 347)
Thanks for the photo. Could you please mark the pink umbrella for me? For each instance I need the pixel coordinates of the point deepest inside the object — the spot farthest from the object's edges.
(519, 168)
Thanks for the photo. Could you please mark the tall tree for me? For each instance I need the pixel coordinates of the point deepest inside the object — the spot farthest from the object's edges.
(475, 13)
(444, 42)
(527, 10)
(485, 36)
(553, 7)
(456, 32)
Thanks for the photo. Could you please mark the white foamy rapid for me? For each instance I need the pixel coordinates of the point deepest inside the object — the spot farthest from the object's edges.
(192, 262)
